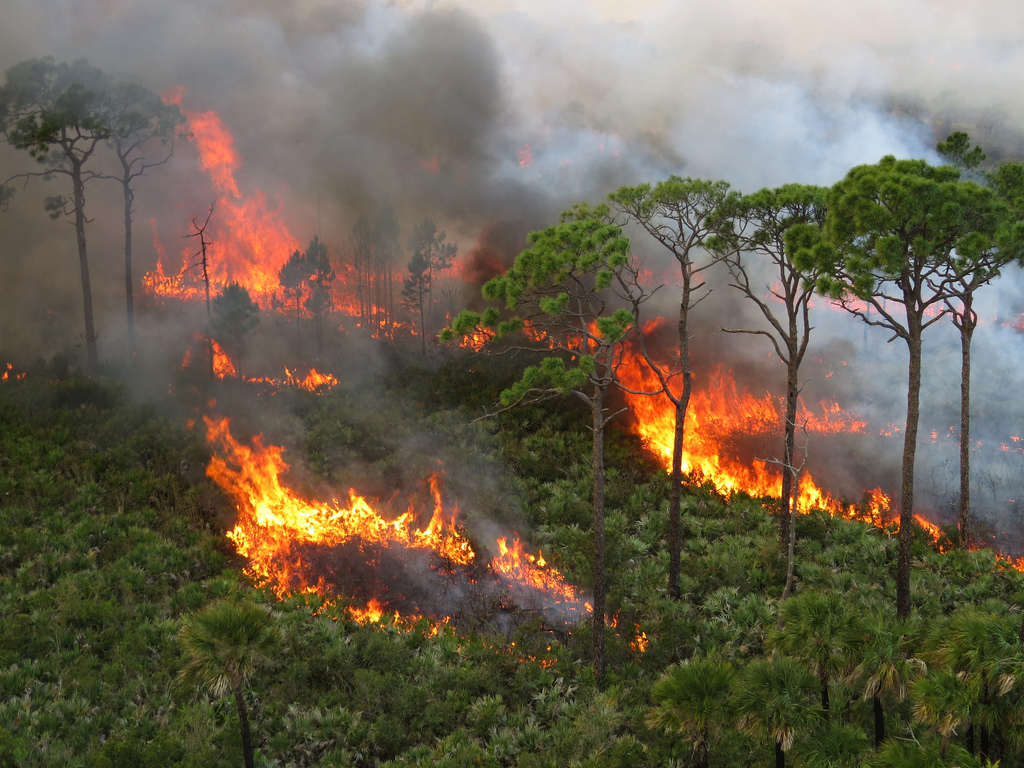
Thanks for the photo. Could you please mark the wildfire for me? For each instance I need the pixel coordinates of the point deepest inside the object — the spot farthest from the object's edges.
(528, 570)
(223, 366)
(715, 415)
(295, 544)
(250, 239)
(10, 375)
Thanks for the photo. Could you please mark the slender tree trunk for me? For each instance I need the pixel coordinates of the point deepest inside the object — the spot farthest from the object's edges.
(789, 451)
(876, 702)
(791, 543)
(909, 452)
(319, 333)
(824, 693)
(128, 282)
(423, 330)
(675, 534)
(780, 756)
(597, 462)
(243, 720)
(78, 186)
(967, 326)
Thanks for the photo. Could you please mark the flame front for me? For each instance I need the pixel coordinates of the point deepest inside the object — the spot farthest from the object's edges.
(276, 525)
(719, 413)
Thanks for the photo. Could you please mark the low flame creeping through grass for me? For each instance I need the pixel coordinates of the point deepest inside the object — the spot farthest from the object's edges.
(276, 527)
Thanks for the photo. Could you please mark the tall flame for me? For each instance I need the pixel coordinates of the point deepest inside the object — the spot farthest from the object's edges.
(250, 241)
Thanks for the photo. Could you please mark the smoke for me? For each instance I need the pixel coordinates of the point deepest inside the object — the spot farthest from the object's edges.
(491, 117)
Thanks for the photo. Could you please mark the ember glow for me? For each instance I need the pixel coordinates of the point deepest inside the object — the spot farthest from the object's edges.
(250, 239)
(295, 544)
(9, 373)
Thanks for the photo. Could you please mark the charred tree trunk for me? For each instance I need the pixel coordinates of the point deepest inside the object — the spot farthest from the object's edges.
(78, 187)
(597, 463)
(909, 452)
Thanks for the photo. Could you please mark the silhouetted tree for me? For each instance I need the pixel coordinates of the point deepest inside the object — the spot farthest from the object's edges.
(888, 238)
(755, 225)
(565, 285)
(681, 215)
(57, 113)
(415, 289)
(435, 252)
(293, 276)
(321, 275)
(234, 316)
(138, 122)
(386, 232)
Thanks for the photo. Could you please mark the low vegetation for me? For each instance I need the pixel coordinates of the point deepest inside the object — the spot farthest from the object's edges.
(112, 552)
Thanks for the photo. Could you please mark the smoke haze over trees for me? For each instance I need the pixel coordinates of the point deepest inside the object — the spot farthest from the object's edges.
(489, 118)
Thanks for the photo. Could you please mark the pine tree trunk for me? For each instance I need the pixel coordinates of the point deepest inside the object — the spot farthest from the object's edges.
(128, 281)
(968, 324)
(423, 329)
(909, 453)
(675, 534)
(78, 186)
(789, 453)
(597, 463)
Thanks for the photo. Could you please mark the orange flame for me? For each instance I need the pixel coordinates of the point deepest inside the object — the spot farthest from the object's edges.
(250, 241)
(274, 523)
(719, 413)
(531, 571)
(223, 367)
(7, 374)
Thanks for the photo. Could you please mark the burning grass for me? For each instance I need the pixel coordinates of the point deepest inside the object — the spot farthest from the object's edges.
(419, 562)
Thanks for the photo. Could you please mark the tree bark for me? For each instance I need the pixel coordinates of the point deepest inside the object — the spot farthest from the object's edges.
(780, 756)
(909, 453)
(789, 449)
(243, 720)
(675, 534)
(597, 408)
(129, 287)
(967, 326)
(78, 186)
